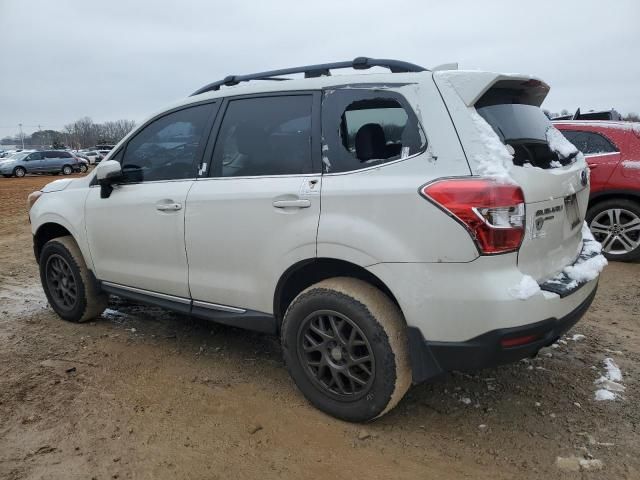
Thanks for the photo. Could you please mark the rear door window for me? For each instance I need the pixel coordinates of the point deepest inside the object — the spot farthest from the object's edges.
(362, 128)
(589, 143)
(262, 136)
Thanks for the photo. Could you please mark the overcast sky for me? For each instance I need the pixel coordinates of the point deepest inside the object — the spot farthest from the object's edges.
(64, 59)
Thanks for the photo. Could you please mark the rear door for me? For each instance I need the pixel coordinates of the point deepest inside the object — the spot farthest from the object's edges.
(257, 212)
(33, 162)
(602, 155)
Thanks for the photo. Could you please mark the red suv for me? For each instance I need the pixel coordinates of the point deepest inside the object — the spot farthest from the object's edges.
(612, 150)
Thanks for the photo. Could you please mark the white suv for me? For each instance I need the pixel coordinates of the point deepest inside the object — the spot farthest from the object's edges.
(389, 227)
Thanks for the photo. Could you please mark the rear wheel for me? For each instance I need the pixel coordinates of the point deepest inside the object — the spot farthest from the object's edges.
(345, 345)
(616, 225)
(67, 283)
(67, 170)
(19, 172)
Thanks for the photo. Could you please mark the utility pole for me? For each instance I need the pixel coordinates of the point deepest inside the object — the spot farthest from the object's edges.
(21, 135)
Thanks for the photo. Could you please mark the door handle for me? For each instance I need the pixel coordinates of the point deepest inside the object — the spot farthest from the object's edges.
(168, 207)
(302, 203)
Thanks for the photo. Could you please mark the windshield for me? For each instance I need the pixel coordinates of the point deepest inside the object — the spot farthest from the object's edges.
(530, 133)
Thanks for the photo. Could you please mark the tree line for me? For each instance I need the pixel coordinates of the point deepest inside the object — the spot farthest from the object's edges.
(83, 133)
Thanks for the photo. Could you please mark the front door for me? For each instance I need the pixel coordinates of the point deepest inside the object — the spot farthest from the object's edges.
(34, 162)
(257, 212)
(136, 236)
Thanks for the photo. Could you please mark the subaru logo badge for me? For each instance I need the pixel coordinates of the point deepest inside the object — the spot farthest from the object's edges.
(584, 177)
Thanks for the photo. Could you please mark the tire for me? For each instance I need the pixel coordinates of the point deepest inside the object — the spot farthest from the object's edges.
(82, 300)
(67, 170)
(84, 168)
(19, 172)
(616, 224)
(315, 362)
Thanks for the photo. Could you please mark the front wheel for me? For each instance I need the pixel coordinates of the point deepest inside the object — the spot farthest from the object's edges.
(345, 345)
(67, 170)
(616, 225)
(19, 172)
(67, 282)
(84, 168)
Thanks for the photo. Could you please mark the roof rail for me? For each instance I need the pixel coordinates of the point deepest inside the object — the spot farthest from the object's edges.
(312, 71)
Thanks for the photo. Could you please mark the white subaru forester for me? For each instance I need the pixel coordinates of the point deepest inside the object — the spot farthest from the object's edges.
(390, 227)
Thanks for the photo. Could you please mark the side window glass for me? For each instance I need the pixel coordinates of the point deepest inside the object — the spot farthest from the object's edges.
(169, 147)
(265, 136)
(366, 127)
(35, 156)
(596, 143)
(589, 143)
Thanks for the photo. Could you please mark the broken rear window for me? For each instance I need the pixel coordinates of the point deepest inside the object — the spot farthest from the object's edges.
(529, 132)
(363, 127)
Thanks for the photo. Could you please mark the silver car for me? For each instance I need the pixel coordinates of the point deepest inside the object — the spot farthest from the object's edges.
(47, 161)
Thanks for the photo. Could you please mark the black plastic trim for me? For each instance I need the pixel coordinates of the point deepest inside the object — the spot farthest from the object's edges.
(312, 71)
(249, 319)
(432, 359)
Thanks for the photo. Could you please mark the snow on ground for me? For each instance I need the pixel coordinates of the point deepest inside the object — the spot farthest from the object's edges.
(613, 371)
(610, 383)
(495, 160)
(527, 288)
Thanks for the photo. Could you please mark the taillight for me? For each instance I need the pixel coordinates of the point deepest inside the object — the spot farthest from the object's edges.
(492, 212)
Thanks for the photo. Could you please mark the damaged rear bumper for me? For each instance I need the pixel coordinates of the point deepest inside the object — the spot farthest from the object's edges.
(430, 359)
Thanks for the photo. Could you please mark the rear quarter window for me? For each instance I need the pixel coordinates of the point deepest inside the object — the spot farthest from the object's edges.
(363, 128)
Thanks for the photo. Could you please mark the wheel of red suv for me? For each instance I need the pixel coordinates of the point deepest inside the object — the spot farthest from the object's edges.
(616, 225)
(67, 170)
(345, 345)
(19, 172)
(67, 282)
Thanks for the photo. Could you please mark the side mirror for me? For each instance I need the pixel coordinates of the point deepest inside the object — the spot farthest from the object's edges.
(108, 173)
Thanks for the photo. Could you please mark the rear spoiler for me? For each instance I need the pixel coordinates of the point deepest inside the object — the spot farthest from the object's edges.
(488, 88)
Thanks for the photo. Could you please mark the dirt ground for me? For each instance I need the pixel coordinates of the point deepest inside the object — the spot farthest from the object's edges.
(143, 393)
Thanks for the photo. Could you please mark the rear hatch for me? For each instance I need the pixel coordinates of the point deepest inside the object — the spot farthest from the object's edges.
(550, 171)
(553, 177)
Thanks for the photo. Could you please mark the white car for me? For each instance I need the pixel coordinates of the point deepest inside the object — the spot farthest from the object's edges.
(389, 227)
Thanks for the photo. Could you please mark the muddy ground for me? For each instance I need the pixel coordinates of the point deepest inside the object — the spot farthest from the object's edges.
(143, 393)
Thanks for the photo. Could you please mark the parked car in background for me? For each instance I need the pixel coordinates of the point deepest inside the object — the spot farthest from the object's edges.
(8, 153)
(612, 151)
(611, 114)
(101, 155)
(91, 156)
(83, 163)
(420, 261)
(45, 161)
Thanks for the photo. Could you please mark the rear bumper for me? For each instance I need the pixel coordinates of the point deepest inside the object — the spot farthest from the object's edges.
(430, 359)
